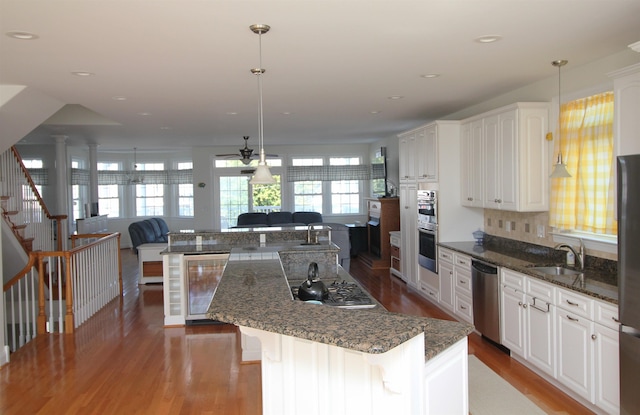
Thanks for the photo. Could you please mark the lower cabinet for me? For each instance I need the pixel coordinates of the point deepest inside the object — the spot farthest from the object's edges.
(570, 337)
(454, 273)
(445, 273)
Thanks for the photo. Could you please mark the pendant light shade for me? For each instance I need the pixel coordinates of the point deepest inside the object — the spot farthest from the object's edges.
(262, 174)
(135, 178)
(560, 168)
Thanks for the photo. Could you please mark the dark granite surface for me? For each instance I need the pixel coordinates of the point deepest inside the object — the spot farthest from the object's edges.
(598, 282)
(257, 294)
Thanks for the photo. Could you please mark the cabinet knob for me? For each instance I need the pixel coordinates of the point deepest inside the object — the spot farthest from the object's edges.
(520, 303)
(593, 337)
(524, 305)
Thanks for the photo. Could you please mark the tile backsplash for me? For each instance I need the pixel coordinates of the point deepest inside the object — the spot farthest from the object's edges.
(531, 227)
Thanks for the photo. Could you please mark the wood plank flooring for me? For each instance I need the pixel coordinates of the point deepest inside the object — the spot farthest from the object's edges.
(123, 361)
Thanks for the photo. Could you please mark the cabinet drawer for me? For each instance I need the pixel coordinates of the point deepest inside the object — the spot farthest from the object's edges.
(541, 290)
(461, 260)
(463, 281)
(395, 251)
(445, 255)
(575, 303)
(464, 308)
(430, 292)
(395, 264)
(512, 279)
(607, 315)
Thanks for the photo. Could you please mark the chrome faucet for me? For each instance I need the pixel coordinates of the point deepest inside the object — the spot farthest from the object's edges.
(309, 229)
(579, 256)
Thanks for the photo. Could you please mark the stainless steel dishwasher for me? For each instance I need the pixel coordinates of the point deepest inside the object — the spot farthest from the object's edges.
(486, 299)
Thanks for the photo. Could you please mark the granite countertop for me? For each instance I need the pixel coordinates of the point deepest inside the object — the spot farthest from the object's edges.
(222, 248)
(595, 283)
(257, 294)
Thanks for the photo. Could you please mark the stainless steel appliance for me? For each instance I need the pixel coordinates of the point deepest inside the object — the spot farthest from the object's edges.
(486, 299)
(427, 241)
(629, 281)
(427, 229)
(343, 294)
(427, 209)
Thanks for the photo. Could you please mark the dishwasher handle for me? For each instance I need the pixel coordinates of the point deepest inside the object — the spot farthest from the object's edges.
(484, 268)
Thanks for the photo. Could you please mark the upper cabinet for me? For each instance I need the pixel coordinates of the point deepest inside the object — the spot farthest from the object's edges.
(419, 155)
(504, 159)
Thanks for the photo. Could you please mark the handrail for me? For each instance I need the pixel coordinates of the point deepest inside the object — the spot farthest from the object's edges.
(13, 281)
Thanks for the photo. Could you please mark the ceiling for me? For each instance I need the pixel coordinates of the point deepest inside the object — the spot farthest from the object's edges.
(172, 74)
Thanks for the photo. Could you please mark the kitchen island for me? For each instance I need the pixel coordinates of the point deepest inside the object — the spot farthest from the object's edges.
(328, 360)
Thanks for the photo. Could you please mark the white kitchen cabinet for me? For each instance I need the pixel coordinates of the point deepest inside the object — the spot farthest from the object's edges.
(472, 163)
(626, 90)
(527, 319)
(606, 354)
(174, 290)
(540, 336)
(407, 157)
(409, 234)
(512, 312)
(514, 158)
(575, 352)
(427, 154)
(395, 242)
(445, 274)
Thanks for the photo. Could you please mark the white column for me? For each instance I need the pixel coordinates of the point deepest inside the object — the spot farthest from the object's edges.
(93, 173)
(62, 184)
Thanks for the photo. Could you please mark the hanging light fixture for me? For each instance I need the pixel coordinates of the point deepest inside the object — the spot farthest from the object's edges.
(560, 168)
(135, 177)
(262, 174)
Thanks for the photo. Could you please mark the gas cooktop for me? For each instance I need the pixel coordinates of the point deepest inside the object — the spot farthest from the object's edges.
(344, 295)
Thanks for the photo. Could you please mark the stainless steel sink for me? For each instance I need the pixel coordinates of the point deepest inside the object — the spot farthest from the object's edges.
(556, 270)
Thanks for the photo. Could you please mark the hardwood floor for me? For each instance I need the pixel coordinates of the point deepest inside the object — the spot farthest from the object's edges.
(123, 361)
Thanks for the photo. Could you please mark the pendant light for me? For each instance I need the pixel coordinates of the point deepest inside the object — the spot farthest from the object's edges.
(262, 174)
(135, 178)
(560, 168)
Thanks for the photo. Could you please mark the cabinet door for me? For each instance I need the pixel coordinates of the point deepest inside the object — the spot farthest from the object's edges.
(406, 158)
(512, 319)
(540, 336)
(477, 163)
(607, 369)
(409, 232)
(508, 162)
(575, 352)
(427, 154)
(445, 273)
(492, 160)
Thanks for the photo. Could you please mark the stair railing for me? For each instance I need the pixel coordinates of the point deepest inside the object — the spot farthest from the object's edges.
(73, 286)
(24, 210)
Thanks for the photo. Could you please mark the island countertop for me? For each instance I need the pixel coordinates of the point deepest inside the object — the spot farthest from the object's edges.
(256, 294)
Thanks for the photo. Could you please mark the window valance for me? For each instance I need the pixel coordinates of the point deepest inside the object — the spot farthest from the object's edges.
(332, 173)
(105, 177)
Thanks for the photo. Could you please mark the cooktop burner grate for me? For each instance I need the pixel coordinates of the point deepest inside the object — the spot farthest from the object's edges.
(344, 294)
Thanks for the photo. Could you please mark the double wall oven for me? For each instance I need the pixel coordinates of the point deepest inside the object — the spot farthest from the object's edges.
(427, 229)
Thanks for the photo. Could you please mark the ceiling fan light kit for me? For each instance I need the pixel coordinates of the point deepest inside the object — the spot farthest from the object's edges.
(262, 174)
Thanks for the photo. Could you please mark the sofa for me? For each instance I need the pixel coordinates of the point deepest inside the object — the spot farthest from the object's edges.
(260, 219)
(152, 230)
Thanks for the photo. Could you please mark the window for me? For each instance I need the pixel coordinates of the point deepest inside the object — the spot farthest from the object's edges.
(307, 195)
(584, 202)
(238, 196)
(150, 197)
(345, 194)
(35, 165)
(108, 195)
(185, 193)
(77, 195)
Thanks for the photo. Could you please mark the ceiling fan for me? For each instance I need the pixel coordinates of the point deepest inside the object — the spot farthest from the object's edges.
(246, 153)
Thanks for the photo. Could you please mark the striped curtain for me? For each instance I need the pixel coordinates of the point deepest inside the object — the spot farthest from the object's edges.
(585, 201)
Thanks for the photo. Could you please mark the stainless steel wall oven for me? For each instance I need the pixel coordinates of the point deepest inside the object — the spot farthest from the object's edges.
(427, 229)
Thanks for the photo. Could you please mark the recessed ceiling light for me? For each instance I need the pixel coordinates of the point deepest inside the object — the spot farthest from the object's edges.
(374, 112)
(232, 113)
(394, 97)
(165, 128)
(82, 73)
(22, 35)
(286, 112)
(488, 38)
(430, 75)
(144, 114)
(119, 98)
